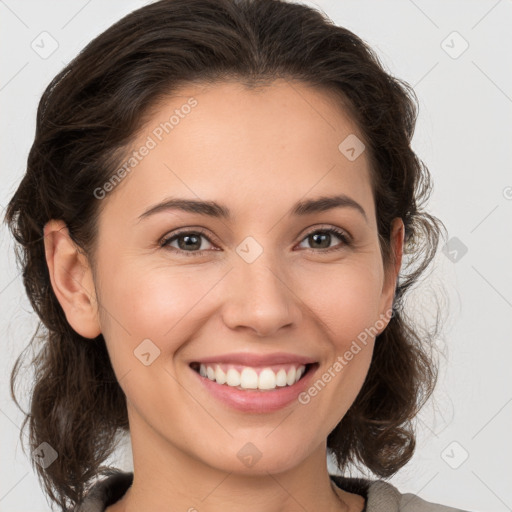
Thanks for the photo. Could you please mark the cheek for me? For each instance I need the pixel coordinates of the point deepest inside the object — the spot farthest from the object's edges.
(157, 303)
(167, 303)
(347, 305)
(151, 303)
(150, 317)
(345, 298)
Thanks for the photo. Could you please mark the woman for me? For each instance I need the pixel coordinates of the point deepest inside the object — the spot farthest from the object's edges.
(185, 166)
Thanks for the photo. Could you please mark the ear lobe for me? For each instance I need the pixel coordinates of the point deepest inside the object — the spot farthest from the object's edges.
(71, 279)
(391, 273)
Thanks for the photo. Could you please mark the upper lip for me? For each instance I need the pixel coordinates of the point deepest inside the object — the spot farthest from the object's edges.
(246, 359)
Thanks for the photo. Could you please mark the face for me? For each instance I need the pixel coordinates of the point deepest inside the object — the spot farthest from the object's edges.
(257, 295)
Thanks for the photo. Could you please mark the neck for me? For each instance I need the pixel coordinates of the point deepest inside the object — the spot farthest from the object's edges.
(166, 478)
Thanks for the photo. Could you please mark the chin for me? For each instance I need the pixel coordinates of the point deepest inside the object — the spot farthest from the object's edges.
(258, 457)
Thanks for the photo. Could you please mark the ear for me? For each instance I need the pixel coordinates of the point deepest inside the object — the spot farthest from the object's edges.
(393, 268)
(71, 279)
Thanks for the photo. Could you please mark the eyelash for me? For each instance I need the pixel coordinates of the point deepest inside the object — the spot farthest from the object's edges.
(338, 232)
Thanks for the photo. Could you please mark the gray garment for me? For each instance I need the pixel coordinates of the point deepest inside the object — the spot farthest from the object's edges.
(380, 496)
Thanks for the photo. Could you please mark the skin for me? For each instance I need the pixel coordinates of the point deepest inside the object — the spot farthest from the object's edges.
(258, 152)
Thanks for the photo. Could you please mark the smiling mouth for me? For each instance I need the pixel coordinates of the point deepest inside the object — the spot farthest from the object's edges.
(264, 378)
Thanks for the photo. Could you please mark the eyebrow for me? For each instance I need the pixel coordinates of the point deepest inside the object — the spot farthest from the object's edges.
(216, 210)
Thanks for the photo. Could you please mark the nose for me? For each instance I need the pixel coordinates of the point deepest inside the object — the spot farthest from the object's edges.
(261, 298)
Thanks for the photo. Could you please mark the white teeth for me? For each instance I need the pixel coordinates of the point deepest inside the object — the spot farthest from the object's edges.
(220, 375)
(210, 373)
(232, 378)
(249, 378)
(267, 379)
(281, 377)
(290, 378)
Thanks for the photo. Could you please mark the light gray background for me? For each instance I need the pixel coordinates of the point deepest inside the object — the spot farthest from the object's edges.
(463, 134)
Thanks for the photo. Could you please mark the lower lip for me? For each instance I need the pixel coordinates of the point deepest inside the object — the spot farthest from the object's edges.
(254, 400)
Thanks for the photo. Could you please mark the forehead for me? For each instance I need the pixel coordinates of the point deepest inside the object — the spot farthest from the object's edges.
(257, 147)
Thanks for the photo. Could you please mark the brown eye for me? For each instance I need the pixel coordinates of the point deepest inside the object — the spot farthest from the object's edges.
(322, 238)
(189, 243)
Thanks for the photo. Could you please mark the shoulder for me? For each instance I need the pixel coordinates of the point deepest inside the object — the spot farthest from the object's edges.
(105, 492)
(381, 492)
(382, 496)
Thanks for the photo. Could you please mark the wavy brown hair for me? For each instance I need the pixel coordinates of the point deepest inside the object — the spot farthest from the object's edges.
(86, 119)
